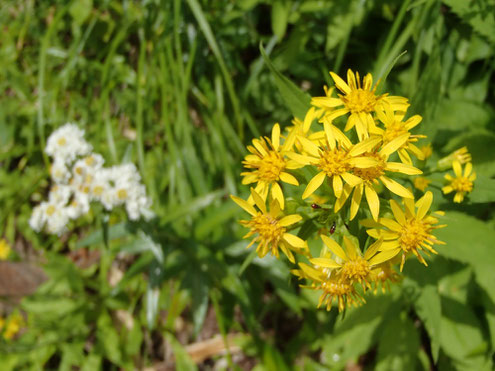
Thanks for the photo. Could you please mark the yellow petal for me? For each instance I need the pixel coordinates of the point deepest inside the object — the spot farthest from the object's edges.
(384, 256)
(294, 241)
(337, 185)
(244, 204)
(258, 201)
(289, 220)
(340, 84)
(356, 200)
(403, 168)
(337, 113)
(447, 189)
(325, 263)
(310, 116)
(334, 247)
(301, 159)
(343, 198)
(327, 102)
(328, 127)
(351, 179)
(390, 224)
(314, 184)
(396, 188)
(372, 249)
(390, 245)
(394, 144)
(276, 136)
(363, 162)
(457, 168)
(373, 201)
(260, 146)
(423, 205)
(309, 146)
(364, 146)
(288, 178)
(398, 213)
(351, 248)
(277, 194)
(468, 169)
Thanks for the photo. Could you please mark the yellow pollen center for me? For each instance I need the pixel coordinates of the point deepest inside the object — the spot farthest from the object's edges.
(271, 166)
(336, 288)
(98, 190)
(79, 170)
(393, 131)
(333, 161)
(89, 160)
(462, 184)
(50, 210)
(122, 194)
(62, 141)
(413, 233)
(360, 100)
(268, 228)
(371, 173)
(356, 269)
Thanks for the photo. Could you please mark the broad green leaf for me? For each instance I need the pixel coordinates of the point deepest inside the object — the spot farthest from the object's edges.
(80, 10)
(272, 359)
(398, 345)
(108, 338)
(471, 241)
(295, 99)
(196, 282)
(182, 360)
(462, 338)
(429, 308)
(483, 190)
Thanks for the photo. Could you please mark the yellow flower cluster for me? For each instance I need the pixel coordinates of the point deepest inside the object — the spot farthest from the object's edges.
(351, 145)
(462, 183)
(11, 326)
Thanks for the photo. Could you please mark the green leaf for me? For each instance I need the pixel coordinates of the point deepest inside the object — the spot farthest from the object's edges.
(182, 360)
(80, 10)
(197, 284)
(483, 190)
(398, 345)
(297, 101)
(429, 308)
(478, 14)
(108, 338)
(272, 359)
(471, 241)
(462, 338)
(280, 15)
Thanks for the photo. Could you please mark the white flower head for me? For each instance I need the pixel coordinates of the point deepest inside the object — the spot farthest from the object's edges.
(50, 215)
(59, 171)
(66, 143)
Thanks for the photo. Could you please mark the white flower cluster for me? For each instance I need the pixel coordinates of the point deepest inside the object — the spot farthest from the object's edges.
(79, 178)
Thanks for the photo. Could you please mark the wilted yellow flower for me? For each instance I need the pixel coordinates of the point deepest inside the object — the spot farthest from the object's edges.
(382, 275)
(335, 162)
(410, 232)
(269, 228)
(4, 249)
(421, 183)
(461, 184)
(372, 175)
(350, 265)
(427, 151)
(268, 160)
(14, 324)
(359, 100)
(461, 155)
(332, 286)
(395, 127)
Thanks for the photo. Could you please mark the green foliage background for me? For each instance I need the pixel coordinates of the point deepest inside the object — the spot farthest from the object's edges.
(180, 87)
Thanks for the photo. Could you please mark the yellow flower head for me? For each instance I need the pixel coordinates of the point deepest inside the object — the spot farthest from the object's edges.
(350, 265)
(461, 184)
(359, 99)
(395, 127)
(14, 324)
(269, 164)
(334, 161)
(372, 176)
(332, 286)
(270, 228)
(427, 151)
(382, 275)
(461, 155)
(421, 183)
(410, 232)
(4, 249)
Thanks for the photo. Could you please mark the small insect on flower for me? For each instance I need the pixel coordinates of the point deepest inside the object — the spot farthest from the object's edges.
(315, 206)
(332, 228)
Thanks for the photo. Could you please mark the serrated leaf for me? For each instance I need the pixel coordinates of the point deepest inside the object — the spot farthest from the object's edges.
(297, 101)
